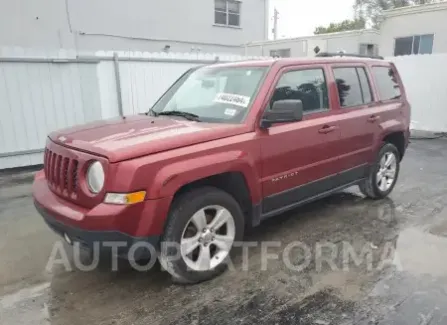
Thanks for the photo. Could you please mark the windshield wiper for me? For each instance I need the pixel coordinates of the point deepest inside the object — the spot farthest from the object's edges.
(151, 113)
(187, 115)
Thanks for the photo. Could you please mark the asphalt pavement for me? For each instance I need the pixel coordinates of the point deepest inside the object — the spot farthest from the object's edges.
(403, 280)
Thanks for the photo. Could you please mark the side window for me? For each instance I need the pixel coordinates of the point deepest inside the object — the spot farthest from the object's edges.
(386, 82)
(364, 83)
(309, 86)
(348, 85)
(353, 86)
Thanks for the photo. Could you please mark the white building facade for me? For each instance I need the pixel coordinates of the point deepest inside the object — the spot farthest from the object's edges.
(220, 26)
(414, 30)
(358, 41)
(404, 31)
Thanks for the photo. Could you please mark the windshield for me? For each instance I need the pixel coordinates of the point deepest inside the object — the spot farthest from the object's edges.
(214, 94)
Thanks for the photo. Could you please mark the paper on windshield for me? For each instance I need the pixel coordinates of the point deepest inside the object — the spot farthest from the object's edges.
(233, 99)
(230, 112)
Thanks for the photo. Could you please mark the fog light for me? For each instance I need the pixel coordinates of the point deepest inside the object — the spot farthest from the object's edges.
(125, 198)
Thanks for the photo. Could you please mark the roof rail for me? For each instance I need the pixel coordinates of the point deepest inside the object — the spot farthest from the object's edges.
(328, 54)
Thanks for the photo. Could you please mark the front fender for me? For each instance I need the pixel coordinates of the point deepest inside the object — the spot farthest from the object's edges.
(169, 179)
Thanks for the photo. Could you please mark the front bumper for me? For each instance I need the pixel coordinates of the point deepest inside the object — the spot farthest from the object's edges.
(102, 240)
(141, 223)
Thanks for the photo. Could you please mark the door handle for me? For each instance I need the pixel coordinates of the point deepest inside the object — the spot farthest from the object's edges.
(373, 118)
(327, 128)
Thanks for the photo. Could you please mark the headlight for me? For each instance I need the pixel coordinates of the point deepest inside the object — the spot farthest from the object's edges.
(95, 177)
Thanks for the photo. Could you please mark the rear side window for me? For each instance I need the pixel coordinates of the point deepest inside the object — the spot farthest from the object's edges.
(353, 86)
(308, 85)
(386, 82)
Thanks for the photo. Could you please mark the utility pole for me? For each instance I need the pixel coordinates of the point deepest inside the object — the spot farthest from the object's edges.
(275, 24)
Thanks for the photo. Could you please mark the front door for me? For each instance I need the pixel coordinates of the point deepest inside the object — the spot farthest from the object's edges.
(299, 159)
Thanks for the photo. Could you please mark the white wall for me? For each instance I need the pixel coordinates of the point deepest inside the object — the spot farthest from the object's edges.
(40, 93)
(144, 25)
(304, 46)
(423, 77)
(298, 48)
(37, 98)
(414, 21)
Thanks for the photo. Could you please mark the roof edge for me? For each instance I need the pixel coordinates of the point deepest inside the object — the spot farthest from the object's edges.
(337, 34)
(415, 9)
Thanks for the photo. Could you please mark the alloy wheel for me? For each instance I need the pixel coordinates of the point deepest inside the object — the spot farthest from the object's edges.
(207, 238)
(387, 171)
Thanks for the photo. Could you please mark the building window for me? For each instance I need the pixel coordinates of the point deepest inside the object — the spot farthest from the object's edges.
(418, 44)
(369, 49)
(227, 12)
(283, 53)
(309, 86)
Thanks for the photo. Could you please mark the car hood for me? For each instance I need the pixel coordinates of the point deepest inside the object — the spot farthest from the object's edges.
(131, 137)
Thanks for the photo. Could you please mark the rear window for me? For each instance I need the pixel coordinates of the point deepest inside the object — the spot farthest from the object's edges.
(386, 82)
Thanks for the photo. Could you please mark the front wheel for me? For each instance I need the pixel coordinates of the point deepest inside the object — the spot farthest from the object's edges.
(383, 174)
(202, 227)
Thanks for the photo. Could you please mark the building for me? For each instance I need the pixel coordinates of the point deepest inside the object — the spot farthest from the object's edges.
(403, 31)
(145, 25)
(357, 41)
(414, 30)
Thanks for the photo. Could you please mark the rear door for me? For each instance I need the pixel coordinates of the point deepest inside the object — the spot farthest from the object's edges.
(393, 108)
(358, 119)
(299, 159)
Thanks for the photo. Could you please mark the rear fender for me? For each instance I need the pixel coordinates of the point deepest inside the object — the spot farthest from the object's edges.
(386, 128)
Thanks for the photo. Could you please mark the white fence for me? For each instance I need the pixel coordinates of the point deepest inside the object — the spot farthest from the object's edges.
(41, 92)
(424, 81)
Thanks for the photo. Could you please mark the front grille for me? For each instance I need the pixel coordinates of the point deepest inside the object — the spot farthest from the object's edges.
(61, 173)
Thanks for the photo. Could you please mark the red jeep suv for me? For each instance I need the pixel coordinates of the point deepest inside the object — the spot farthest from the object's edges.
(227, 146)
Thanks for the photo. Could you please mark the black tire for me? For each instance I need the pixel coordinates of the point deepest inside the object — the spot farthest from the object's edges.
(181, 211)
(369, 186)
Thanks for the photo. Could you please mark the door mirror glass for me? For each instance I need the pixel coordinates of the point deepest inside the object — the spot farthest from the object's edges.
(282, 111)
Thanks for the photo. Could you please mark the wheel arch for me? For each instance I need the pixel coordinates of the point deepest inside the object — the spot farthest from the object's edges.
(393, 131)
(232, 172)
(397, 139)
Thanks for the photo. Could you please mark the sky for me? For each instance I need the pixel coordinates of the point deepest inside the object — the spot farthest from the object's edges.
(300, 17)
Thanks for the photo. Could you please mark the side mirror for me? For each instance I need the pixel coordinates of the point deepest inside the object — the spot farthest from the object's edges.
(287, 110)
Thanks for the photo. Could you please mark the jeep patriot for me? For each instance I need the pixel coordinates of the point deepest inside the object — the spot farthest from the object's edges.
(227, 146)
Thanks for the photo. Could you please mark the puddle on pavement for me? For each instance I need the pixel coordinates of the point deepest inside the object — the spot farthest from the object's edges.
(419, 253)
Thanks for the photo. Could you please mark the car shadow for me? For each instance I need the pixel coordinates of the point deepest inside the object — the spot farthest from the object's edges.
(326, 210)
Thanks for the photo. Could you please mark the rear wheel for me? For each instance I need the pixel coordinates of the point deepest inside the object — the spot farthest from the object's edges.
(383, 174)
(201, 229)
